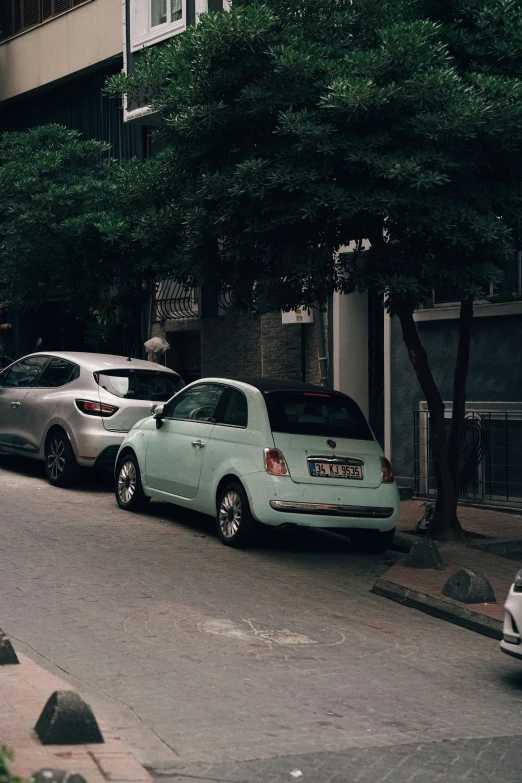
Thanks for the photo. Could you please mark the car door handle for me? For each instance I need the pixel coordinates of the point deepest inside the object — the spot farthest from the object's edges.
(198, 443)
(15, 404)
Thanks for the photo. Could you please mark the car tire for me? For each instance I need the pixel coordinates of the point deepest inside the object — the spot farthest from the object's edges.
(235, 524)
(61, 466)
(372, 540)
(128, 488)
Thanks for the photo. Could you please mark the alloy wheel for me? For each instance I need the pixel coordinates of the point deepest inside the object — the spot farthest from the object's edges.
(230, 514)
(127, 482)
(56, 458)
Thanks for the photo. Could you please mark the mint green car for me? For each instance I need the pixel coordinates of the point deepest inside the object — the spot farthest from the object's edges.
(262, 452)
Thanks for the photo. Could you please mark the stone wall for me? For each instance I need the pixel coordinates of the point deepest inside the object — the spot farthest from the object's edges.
(243, 345)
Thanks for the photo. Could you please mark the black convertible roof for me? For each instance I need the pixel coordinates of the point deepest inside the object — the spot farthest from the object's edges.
(266, 385)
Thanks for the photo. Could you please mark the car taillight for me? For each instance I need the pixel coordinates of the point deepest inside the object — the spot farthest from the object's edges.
(275, 463)
(386, 471)
(95, 408)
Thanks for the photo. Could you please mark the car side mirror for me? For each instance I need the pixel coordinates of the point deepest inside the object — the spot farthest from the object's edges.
(159, 413)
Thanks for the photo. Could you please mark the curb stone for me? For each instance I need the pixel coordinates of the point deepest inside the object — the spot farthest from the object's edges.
(452, 613)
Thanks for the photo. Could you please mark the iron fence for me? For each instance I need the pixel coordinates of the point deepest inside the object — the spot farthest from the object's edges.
(490, 455)
(173, 301)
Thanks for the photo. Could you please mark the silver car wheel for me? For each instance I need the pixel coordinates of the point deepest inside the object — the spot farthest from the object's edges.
(230, 513)
(56, 458)
(127, 482)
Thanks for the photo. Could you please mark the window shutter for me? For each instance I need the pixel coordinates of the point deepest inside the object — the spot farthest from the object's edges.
(7, 27)
(17, 17)
(61, 5)
(31, 13)
(47, 9)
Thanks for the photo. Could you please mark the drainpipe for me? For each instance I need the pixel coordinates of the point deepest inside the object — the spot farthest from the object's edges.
(321, 347)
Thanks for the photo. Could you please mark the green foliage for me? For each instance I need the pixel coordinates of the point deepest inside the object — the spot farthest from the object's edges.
(427, 516)
(6, 756)
(101, 325)
(59, 195)
(295, 128)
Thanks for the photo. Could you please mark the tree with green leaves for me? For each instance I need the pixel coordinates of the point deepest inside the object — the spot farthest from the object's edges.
(60, 204)
(295, 129)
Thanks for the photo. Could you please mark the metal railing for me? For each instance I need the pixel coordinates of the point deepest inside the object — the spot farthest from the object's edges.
(490, 456)
(173, 301)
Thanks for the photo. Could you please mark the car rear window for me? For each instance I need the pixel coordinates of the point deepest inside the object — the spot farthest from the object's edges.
(316, 413)
(140, 384)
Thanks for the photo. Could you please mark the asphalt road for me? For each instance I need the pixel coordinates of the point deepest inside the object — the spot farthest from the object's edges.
(270, 665)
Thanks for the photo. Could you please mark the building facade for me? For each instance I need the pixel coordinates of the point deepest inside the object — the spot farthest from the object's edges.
(55, 56)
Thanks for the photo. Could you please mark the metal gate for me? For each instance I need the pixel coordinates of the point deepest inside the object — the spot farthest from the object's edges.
(490, 454)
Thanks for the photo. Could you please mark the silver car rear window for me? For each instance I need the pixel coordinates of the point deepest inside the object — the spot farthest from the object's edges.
(140, 384)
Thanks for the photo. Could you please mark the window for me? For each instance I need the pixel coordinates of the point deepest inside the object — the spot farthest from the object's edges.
(316, 413)
(152, 21)
(233, 409)
(23, 373)
(157, 386)
(198, 402)
(164, 11)
(57, 373)
(19, 15)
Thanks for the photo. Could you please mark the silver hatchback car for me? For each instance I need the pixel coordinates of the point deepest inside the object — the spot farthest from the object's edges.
(74, 409)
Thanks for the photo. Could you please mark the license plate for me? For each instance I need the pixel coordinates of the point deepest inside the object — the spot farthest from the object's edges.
(334, 470)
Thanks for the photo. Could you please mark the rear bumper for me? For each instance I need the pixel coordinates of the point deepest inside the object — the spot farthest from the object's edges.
(96, 446)
(331, 509)
(277, 500)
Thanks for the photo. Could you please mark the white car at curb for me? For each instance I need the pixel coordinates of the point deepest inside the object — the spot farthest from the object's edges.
(262, 452)
(511, 642)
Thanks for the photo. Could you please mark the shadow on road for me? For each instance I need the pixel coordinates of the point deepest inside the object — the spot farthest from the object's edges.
(89, 480)
(273, 540)
(513, 679)
(302, 540)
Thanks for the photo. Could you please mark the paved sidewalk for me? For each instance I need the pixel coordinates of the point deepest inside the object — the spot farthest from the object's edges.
(422, 588)
(482, 521)
(24, 690)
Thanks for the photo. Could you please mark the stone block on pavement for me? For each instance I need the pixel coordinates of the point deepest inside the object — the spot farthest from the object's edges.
(67, 720)
(469, 587)
(423, 554)
(7, 653)
(57, 776)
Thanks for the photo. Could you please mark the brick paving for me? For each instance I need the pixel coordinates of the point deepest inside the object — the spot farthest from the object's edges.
(484, 760)
(221, 665)
(24, 690)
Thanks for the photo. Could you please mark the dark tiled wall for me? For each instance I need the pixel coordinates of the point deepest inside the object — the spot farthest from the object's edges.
(256, 345)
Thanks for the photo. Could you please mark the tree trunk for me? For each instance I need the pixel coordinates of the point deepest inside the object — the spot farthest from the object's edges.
(458, 415)
(459, 387)
(444, 522)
